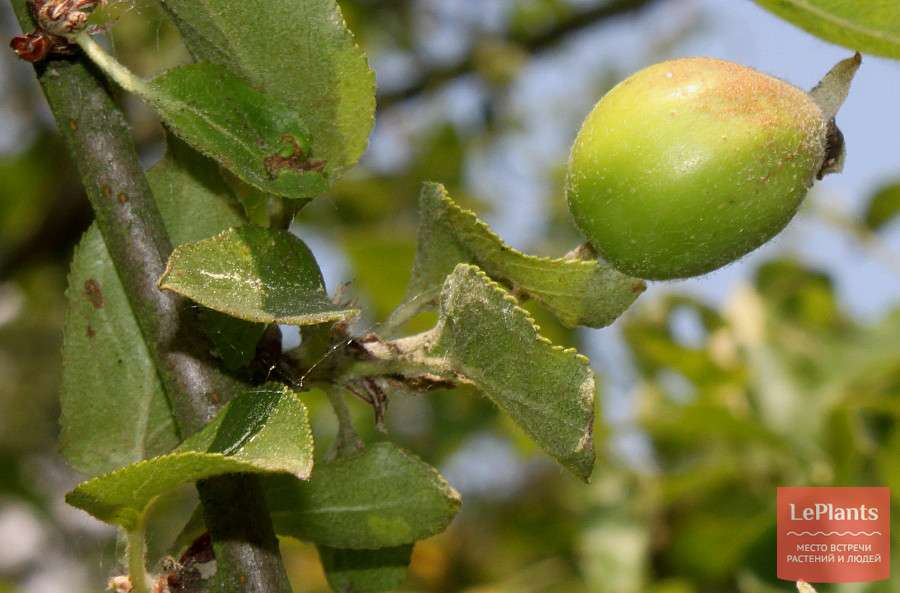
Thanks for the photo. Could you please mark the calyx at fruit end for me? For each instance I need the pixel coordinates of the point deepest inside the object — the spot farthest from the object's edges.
(829, 95)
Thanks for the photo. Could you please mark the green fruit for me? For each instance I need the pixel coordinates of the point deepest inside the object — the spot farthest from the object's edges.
(690, 164)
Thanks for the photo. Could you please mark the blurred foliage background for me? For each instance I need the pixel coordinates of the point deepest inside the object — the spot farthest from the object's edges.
(711, 398)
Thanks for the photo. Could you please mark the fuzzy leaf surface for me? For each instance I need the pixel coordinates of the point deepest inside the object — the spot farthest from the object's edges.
(114, 410)
(107, 367)
(578, 292)
(264, 430)
(255, 136)
(196, 204)
(300, 53)
(253, 273)
(487, 339)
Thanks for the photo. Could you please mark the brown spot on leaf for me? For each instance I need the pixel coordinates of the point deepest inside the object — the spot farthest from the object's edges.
(106, 191)
(90, 332)
(638, 287)
(73, 124)
(291, 157)
(93, 292)
(123, 199)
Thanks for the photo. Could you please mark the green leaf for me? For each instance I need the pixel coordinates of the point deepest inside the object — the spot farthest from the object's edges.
(196, 203)
(302, 54)
(883, 207)
(381, 497)
(485, 337)
(871, 27)
(578, 292)
(106, 364)
(264, 430)
(233, 340)
(258, 138)
(114, 409)
(365, 571)
(256, 274)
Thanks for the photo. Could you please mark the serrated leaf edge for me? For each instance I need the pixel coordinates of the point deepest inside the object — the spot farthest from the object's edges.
(505, 294)
(370, 75)
(338, 16)
(443, 208)
(446, 201)
(587, 390)
(238, 465)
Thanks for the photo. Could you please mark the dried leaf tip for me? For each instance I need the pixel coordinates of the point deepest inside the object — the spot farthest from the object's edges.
(829, 95)
(832, 90)
(803, 586)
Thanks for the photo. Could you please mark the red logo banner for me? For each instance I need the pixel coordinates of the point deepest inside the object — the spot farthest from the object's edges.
(834, 534)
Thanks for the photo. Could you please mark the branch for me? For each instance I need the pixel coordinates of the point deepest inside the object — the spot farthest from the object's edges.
(97, 136)
(532, 43)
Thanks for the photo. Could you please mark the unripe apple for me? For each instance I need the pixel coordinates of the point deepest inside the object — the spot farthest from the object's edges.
(689, 164)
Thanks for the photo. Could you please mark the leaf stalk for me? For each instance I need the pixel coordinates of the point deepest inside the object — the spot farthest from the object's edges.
(137, 556)
(122, 76)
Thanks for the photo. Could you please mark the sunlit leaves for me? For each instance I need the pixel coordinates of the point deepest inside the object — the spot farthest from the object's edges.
(255, 274)
(258, 138)
(195, 204)
(255, 136)
(579, 292)
(487, 339)
(264, 430)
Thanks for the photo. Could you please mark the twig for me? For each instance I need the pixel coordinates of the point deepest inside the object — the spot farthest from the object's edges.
(97, 137)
